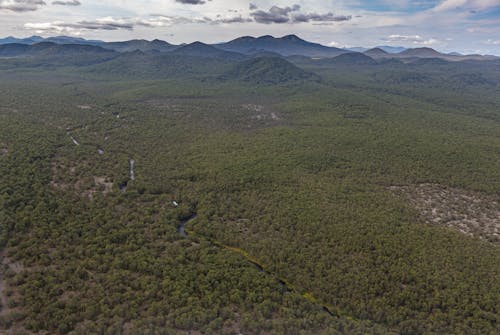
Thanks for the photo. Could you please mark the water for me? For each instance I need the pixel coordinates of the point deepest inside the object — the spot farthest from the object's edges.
(132, 166)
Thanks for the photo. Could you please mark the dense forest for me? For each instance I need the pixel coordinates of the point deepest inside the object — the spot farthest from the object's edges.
(191, 195)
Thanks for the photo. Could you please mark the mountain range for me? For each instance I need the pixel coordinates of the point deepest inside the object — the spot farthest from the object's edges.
(290, 45)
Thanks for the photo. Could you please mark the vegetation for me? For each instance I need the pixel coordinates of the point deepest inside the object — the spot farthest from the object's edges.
(286, 193)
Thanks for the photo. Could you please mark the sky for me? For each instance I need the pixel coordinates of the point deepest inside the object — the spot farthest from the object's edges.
(466, 26)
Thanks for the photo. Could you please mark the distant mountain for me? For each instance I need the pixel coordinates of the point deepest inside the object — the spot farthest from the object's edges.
(421, 53)
(268, 70)
(386, 48)
(52, 54)
(48, 49)
(142, 45)
(199, 49)
(72, 40)
(286, 46)
(138, 64)
(391, 49)
(29, 40)
(376, 53)
(351, 58)
(357, 49)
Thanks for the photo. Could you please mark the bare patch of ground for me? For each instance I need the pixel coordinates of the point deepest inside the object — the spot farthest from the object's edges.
(84, 107)
(468, 212)
(3, 149)
(68, 178)
(260, 112)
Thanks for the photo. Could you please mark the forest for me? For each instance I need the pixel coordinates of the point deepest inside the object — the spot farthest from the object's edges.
(269, 195)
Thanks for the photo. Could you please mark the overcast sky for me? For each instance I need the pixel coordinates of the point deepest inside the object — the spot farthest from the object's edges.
(469, 26)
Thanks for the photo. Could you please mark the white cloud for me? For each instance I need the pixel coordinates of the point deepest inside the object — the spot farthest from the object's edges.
(447, 5)
(21, 5)
(492, 42)
(412, 39)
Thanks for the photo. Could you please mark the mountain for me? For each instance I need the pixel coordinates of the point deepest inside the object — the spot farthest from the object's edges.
(55, 39)
(138, 64)
(286, 46)
(351, 58)
(268, 70)
(376, 53)
(391, 49)
(142, 45)
(29, 40)
(198, 49)
(72, 40)
(357, 49)
(52, 54)
(421, 53)
(48, 49)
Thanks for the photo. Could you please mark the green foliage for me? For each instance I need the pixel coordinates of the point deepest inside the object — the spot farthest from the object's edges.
(293, 179)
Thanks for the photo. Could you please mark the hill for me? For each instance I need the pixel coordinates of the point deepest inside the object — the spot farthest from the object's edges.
(138, 64)
(351, 58)
(198, 49)
(268, 70)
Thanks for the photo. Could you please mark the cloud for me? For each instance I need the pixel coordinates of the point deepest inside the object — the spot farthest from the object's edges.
(107, 23)
(314, 17)
(235, 19)
(470, 5)
(159, 20)
(413, 39)
(21, 5)
(292, 15)
(110, 23)
(492, 42)
(67, 3)
(252, 6)
(192, 2)
(274, 15)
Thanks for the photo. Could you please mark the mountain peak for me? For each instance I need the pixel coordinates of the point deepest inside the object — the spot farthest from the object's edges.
(292, 38)
(376, 52)
(421, 52)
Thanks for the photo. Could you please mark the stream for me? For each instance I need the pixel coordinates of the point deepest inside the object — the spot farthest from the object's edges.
(74, 141)
(181, 229)
(132, 167)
